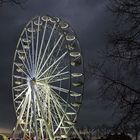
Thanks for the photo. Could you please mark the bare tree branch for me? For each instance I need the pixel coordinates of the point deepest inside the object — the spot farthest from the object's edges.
(119, 72)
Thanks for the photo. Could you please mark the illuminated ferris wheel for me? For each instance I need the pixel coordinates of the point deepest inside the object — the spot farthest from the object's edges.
(47, 79)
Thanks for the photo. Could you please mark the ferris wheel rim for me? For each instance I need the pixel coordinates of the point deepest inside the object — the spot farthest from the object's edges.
(32, 77)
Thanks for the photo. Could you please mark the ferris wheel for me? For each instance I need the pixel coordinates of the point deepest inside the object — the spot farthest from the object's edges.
(47, 79)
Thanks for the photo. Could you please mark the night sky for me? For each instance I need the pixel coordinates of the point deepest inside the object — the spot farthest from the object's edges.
(91, 21)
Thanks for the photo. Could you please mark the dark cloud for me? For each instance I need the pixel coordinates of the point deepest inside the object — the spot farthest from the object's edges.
(90, 20)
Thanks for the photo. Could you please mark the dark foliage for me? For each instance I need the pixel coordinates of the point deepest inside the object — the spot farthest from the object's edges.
(119, 72)
(17, 2)
(116, 137)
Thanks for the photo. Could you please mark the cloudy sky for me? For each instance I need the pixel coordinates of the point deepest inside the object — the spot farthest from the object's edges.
(90, 20)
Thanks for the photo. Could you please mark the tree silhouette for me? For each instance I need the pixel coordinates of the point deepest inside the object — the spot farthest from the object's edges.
(17, 2)
(119, 71)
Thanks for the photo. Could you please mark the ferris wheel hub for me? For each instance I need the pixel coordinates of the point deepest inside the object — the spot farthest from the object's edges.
(33, 81)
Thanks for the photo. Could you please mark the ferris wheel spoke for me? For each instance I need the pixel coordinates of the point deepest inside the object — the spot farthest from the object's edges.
(30, 122)
(54, 47)
(30, 58)
(22, 85)
(19, 77)
(59, 105)
(60, 46)
(48, 95)
(51, 58)
(21, 103)
(40, 121)
(40, 50)
(43, 100)
(52, 76)
(52, 120)
(52, 65)
(22, 111)
(29, 67)
(37, 43)
(47, 45)
(27, 115)
(60, 89)
(26, 68)
(55, 70)
(21, 94)
(61, 117)
(33, 51)
(19, 118)
(44, 97)
(58, 80)
(37, 114)
(52, 70)
(57, 121)
(48, 110)
(41, 129)
(22, 70)
(48, 64)
(61, 122)
(60, 98)
(43, 114)
(57, 113)
(56, 116)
